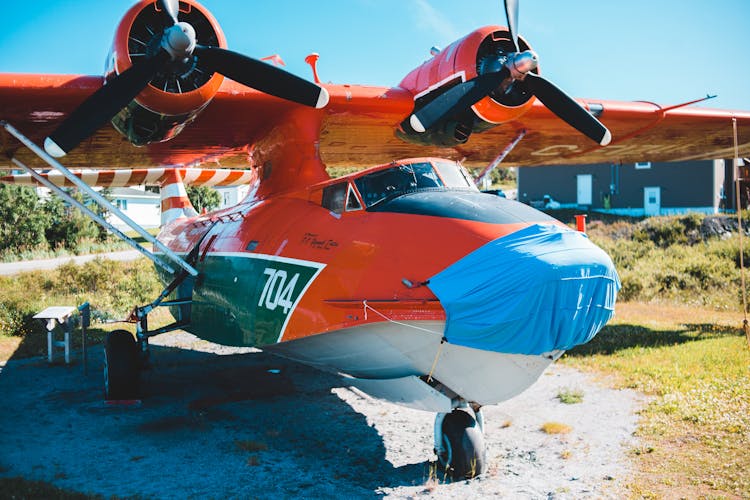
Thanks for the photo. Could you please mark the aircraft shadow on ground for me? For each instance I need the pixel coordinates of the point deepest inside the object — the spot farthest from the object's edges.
(614, 338)
(278, 419)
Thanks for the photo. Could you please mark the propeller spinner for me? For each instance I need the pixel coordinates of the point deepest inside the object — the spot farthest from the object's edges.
(518, 66)
(177, 44)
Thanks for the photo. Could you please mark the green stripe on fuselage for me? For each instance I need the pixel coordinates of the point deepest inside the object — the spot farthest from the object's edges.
(244, 299)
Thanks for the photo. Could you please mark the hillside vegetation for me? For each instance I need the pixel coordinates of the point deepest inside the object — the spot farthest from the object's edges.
(692, 260)
(112, 288)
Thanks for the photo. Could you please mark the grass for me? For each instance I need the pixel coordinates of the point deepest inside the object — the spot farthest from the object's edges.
(111, 288)
(677, 337)
(85, 247)
(20, 488)
(695, 366)
(570, 396)
(250, 445)
(555, 428)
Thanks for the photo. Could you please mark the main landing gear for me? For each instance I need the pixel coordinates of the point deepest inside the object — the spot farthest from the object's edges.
(459, 442)
(125, 355)
(121, 366)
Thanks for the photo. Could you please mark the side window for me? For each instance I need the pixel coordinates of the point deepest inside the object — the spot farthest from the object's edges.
(334, 197)
(352, 202)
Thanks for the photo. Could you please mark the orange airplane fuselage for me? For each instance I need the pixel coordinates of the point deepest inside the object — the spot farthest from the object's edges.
(315, 260)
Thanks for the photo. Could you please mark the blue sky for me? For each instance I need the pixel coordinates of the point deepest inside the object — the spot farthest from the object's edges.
(666, 51)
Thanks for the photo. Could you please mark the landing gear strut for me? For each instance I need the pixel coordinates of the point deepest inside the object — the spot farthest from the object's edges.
(459, 443)
(126, 356)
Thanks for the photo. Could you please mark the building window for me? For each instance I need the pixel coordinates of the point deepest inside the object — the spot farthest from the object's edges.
(642, 165)
(121, 204)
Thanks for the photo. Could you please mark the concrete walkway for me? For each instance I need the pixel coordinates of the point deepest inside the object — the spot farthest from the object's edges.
(11, 268)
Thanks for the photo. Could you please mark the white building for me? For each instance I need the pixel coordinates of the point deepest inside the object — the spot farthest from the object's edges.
(232, 195)
(144, 207)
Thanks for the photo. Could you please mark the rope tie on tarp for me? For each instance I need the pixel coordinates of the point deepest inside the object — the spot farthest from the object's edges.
(437, 356)
(443, 340)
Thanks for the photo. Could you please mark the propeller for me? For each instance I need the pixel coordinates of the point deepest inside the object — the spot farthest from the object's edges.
(517, 66)
(511, 14)
(171, 8)
(177, 44)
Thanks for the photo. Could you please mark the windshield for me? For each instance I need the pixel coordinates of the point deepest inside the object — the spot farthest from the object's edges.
(454, 175)
(395, 181)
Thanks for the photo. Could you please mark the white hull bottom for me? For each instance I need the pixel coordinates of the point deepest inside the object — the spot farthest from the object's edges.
(387, 359)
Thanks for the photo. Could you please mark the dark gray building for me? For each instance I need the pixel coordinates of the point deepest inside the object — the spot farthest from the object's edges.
(638, 189)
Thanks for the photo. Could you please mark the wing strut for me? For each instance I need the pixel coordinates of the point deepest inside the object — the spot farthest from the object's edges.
(102, 202)
(499, 158)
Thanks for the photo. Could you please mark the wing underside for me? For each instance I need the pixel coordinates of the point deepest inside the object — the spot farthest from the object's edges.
(358, 129)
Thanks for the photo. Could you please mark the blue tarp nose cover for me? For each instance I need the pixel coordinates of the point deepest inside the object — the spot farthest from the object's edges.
(539, 289)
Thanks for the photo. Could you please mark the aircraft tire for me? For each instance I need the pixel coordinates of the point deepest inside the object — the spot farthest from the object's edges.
(465, 455)
(121, 372)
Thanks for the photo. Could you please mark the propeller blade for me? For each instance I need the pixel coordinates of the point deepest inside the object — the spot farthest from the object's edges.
(172, 8)
(511, 13)
(261, 76)
(456, 99)
(568, 109)
(103, 104)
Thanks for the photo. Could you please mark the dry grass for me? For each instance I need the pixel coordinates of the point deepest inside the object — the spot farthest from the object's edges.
(695, 365)
(16, 487)
(555, 428)
(250, 445)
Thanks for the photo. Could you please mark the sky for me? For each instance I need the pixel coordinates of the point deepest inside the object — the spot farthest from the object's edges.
(665, 51)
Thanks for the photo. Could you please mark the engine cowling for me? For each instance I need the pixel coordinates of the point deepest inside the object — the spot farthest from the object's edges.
(176, 95)
(481, 51)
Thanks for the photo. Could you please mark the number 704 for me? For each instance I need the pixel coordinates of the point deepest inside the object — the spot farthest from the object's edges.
(277, 292)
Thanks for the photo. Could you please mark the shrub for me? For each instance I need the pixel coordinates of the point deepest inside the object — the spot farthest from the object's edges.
(112, 288)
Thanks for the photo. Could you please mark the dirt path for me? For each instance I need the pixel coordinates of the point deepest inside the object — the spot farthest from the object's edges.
(217, 423)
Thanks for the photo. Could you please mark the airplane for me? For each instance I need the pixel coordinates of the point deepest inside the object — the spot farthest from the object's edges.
(401, 277)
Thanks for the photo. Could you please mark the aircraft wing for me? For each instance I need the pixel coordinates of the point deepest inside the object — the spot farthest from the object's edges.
(361, 130)
(358, 128)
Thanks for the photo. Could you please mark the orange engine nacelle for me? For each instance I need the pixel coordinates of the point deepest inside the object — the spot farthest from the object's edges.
(481, 51)
(175, 96)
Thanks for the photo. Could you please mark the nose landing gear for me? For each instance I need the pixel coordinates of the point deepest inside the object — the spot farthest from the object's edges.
(459, 443)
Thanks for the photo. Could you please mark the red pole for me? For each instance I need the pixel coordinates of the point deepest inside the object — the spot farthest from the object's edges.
(581, 223)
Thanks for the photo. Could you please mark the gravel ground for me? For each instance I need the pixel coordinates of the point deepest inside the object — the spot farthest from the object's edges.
(223, 422)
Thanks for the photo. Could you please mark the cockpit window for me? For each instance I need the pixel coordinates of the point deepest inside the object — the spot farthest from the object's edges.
(338, 196)
(334, 197)
(397, 180)
(352, 203)
(454, 175)
(402, 179)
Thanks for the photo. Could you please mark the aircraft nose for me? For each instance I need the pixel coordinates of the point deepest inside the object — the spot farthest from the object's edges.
(537, 290)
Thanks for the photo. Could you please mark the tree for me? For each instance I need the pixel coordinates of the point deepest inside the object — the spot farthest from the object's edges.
(203, 197)
(68, 225)
(504, 176)
(23, 218)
